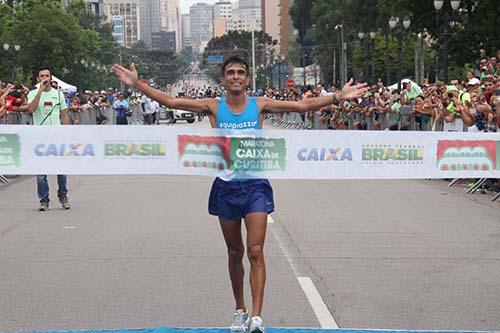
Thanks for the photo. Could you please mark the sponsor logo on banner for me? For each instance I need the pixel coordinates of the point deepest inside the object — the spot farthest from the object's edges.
(258, 154)
(459, 155)
(64, 150)
(204, 152)
(10, 150)
(135, 149)
(232, 153)
(392, 154)
(324, 154)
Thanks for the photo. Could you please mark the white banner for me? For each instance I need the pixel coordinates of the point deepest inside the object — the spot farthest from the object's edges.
(247, 154)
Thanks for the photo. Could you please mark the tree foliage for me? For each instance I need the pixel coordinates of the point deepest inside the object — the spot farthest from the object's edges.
(75, 43)
(239, 43)
(474, 34)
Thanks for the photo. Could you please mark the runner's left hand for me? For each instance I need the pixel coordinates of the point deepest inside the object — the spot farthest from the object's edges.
(351, 91)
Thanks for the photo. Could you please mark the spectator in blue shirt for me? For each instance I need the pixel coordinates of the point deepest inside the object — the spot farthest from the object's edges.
(122, 110)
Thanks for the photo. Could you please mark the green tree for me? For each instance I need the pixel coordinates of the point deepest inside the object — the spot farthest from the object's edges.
(55, 42)
(238, 43)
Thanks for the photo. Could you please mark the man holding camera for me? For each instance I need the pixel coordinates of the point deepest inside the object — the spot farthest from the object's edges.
(122, 110)
(48, 107)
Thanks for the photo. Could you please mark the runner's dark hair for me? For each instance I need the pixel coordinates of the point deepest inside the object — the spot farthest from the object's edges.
(233, 60)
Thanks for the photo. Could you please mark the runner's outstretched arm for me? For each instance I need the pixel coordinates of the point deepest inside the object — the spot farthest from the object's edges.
(350, 91)
(131, 78)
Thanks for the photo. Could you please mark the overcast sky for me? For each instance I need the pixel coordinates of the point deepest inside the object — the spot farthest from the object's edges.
(185, 4)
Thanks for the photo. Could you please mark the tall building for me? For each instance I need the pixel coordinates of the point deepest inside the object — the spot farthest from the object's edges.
(118, 33)
(286, 26)
(150, 20)
(164, 40)
(128, 11)
(95, 6)
(247, 16)
(271, 18)
(201, 23)
(185, 31)
(275, 22)
(245, 4)
(170, 18)
(246, 20)
(223, 9)
(223, 14)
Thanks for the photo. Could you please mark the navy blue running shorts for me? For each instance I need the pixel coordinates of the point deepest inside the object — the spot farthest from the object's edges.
(235, 199)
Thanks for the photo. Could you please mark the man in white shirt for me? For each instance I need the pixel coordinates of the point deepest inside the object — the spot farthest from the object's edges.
(148, 109)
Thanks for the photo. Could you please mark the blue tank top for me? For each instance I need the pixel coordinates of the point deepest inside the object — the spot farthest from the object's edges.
(247, 119)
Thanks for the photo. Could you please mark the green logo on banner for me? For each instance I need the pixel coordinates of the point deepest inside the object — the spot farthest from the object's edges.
(258, 154)
(10, 149)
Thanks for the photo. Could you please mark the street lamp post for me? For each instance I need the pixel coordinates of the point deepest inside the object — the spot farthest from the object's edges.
(373, 34)
(343, 59)
(281, 62)
(393, 22)
(361, 36)
(17, 48)
(438, 5)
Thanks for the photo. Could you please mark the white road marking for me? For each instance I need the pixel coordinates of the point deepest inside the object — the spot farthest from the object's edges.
(319, 307)
(324, 316)
(285, 251)
(270, 219)
(69, 227)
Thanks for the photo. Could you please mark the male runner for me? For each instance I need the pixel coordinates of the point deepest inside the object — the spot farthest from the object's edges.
(237, 199)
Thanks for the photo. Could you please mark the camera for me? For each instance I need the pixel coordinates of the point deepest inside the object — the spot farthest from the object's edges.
(450, 95)
(18, 86)
(497, 92)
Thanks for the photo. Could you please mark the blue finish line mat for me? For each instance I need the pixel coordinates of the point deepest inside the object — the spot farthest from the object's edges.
(268, 330)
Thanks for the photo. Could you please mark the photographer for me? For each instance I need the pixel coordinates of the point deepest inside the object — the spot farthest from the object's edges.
(13, 101)
(48, 107)
(122, 110)
(3, 99)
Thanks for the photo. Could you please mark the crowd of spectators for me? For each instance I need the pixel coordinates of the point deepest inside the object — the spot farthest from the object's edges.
(470, 103)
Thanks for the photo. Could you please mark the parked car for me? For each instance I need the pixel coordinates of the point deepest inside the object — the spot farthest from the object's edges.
(190, 117)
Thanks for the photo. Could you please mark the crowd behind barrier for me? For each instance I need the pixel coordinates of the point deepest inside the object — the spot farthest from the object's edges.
(471, 103)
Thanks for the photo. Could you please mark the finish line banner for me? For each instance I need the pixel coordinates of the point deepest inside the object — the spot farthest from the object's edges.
(90, 150)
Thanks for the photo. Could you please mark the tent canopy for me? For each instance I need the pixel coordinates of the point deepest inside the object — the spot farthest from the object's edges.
(64, 87)
(395, 85)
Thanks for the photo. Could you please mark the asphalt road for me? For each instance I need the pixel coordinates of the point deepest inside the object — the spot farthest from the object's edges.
(142, 251)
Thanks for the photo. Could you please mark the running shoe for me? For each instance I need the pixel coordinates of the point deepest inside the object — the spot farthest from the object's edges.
(239, 321)
(44, 206)
(255, 325)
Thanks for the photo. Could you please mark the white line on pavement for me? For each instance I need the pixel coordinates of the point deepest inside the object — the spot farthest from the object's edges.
(319, 307)
(320, 310)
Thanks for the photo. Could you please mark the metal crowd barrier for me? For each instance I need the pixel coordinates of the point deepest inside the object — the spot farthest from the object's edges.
(288, 120)
(375, 121)
(477, 185)
(90, 116)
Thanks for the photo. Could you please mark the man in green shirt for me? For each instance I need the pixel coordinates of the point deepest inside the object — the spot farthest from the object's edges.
(48, 107)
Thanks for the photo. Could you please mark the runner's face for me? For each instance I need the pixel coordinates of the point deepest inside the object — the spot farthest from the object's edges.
(235, 78)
